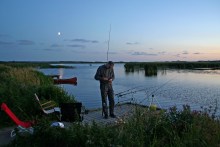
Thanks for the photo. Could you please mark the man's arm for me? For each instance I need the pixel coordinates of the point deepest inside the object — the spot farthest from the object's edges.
(112, 75)
(98, 74)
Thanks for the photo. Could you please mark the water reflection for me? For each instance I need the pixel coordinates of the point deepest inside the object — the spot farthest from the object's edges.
(60, 72)
(163, 72)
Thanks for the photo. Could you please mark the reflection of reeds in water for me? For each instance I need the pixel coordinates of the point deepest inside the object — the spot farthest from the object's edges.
(129, 68)
(150, 70)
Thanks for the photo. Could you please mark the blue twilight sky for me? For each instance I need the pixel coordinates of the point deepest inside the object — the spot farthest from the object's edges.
(78, 30)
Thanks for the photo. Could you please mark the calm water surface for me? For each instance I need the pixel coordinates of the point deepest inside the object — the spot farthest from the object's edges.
(171, 87)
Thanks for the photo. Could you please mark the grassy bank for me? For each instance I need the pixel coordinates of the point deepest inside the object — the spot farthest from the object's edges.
(18, 85)
(35, 64)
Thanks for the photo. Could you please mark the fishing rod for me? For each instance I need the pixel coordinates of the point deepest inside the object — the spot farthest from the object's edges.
(156, 90)
(132, 93)
(164, 90)
(126, 91)
(144, 89)
(132, 97)
(109, 35)
(129, 99)
(129, 91)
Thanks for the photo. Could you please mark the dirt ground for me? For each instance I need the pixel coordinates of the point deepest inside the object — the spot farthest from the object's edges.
(5, 137)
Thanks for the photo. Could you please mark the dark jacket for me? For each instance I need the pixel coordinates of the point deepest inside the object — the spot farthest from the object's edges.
(104, 72)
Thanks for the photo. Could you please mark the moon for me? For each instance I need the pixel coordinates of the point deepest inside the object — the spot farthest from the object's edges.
(58, 33)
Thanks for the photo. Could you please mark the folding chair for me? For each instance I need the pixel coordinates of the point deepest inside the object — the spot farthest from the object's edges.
(21, 125)
(49, 107)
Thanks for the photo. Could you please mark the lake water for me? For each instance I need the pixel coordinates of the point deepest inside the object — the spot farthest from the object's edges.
(170, 88)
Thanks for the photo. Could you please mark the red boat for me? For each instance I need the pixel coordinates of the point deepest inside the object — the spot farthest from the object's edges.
(66, 81)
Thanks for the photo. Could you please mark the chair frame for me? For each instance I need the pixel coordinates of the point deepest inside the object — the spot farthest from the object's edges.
(49, 107)
(22, 126)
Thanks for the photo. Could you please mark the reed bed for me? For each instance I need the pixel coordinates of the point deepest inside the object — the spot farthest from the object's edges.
(152, 67)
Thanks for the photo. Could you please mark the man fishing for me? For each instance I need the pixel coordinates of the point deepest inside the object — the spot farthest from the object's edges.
(105, 74)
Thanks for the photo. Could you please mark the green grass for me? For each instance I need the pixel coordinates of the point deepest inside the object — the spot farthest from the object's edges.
(18, 85)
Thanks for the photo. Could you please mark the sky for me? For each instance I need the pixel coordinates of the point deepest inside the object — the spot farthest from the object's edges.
(117, 30)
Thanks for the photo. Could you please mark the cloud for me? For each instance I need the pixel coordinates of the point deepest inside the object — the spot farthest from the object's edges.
(56, 45)
(162, 53)
(185, 52)
(132, 43)
(83, 41)
(177, 55)
(196, 53)
(94, 41)
(143, 53)
(76, 46)
(49, 49)
(6, 43)
(25, 42)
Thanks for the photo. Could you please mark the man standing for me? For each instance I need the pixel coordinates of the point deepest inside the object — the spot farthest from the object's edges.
(105, 74)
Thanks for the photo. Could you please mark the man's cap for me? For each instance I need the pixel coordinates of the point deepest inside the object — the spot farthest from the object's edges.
(110, 63)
